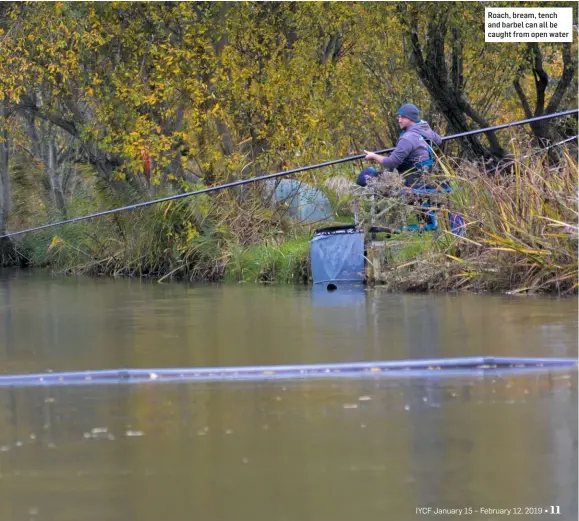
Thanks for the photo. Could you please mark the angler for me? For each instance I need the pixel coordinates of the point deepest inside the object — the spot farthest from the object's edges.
(412, 157)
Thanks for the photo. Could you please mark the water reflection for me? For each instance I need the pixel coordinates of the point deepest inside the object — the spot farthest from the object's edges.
(306, 450)
(345, 449)
(351, 296)
(75, 324)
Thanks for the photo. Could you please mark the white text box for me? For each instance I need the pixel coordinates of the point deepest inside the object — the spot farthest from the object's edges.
(528, 24)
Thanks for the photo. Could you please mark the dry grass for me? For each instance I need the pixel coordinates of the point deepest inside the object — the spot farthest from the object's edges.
(522, 232)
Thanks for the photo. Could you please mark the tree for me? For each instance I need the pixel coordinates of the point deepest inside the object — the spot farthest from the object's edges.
(446, 86)
(4, 165)
(534, 58)
(6, 247)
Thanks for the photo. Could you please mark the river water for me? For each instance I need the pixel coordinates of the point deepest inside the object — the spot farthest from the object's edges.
(350, 449)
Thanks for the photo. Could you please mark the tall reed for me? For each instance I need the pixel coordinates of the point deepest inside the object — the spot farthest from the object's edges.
(521, 229)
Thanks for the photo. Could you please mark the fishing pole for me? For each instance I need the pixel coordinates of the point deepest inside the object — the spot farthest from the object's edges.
(544, 149)
(275, 175)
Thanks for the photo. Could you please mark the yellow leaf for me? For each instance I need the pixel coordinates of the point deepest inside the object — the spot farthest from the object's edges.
(56, 241)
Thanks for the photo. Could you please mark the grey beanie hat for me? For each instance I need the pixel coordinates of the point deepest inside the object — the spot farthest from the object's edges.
(409, 111)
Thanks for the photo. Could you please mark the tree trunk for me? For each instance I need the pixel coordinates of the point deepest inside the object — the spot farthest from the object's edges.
(542, 130)
(104, 163)
(7, 254)
(53, 175)
(4, 171)
(445, 88)
(43, 146)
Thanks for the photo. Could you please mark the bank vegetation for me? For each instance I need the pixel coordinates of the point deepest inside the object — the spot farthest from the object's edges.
(106, 104)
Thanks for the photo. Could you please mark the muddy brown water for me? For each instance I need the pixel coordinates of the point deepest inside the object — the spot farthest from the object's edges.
(349, 449)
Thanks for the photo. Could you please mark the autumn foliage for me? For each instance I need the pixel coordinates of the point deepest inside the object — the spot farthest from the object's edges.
(106, 103)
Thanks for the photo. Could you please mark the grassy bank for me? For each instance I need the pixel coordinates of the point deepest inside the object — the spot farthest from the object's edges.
(224, 237)
(521, 235)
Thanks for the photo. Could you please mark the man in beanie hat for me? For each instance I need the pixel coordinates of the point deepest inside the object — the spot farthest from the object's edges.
(412, 155)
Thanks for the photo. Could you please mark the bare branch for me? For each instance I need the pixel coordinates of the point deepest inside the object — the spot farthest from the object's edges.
(523, 98)
(26, 103)
(569, 67)
(541, 78)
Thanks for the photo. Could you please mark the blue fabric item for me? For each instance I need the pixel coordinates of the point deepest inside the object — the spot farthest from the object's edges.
(337, 256)
(427, 163)
(364, 174)
(349, 295)
(410, 111)
(418, 191)
(457, 224)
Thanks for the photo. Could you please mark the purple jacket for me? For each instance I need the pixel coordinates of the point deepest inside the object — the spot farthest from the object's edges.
(412, 147)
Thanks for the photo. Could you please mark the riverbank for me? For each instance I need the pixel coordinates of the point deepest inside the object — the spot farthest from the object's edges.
(521, 233)
(521, 236)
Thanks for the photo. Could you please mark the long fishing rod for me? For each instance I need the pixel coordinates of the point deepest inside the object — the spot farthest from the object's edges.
(534, 153)
(275, 175)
